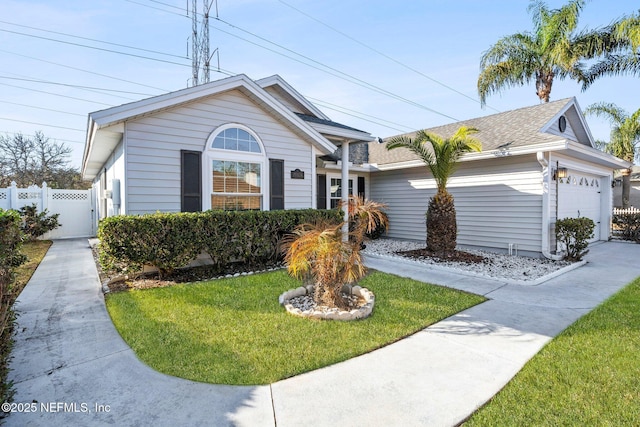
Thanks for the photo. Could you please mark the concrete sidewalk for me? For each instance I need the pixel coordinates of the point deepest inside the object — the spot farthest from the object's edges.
(68, 351)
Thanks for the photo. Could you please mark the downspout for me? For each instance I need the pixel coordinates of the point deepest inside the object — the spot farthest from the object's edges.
(545, 208)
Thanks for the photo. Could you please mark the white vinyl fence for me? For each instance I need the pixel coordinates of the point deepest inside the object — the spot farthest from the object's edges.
(619, 211)
(74, 206)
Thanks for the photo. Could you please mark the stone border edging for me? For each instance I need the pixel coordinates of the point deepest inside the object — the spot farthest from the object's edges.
(357, 313)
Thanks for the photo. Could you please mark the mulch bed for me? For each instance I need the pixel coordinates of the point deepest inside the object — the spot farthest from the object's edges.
(181, 275)
(457, 256)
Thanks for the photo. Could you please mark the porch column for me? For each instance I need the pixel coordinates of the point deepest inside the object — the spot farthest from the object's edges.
(345, 190)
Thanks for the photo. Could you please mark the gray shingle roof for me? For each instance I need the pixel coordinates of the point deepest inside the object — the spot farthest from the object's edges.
(314, 119)
(517, 128)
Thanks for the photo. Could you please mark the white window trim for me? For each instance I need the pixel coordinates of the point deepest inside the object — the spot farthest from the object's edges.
(209, 154)
(352, 177)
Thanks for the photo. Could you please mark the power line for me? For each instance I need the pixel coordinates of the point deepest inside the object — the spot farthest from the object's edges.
(93, 40)
(360, 115)
(56, 94)
(43, 108)
(329, 70)
(333, 71)
(33, 135)
(83, 70)
(383, 54)
(75, 86)
(94, 47)
(43, 124)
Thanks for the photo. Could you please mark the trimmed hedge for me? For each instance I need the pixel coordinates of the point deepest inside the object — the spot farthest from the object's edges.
(171, 240)
(573, 233)
(10, 258)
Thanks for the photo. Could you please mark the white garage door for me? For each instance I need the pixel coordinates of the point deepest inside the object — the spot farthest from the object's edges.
(579, 196)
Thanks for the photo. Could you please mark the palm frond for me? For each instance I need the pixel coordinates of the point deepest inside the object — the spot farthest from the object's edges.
(415, 145)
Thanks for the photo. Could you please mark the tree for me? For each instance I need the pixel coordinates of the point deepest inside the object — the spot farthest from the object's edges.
(625, 138)
(552, 51)
(318, 253)
(29, 161)
(624, 58)
(442, 157)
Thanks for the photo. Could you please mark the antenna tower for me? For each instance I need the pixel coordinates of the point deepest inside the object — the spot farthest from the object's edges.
(200, 53)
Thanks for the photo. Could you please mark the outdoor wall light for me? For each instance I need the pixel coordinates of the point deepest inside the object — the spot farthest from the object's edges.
(560, 173)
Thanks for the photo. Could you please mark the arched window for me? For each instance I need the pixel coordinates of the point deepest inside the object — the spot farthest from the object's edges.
(236, 165)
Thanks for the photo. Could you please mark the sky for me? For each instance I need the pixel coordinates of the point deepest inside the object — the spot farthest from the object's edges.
(386, 67)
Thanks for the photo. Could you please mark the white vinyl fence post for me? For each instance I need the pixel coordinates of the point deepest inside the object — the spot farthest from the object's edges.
(13, 195)
(44, 196)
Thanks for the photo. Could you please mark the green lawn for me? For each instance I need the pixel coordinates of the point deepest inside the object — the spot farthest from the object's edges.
(588, 375)
(35, 252)
(233, 331)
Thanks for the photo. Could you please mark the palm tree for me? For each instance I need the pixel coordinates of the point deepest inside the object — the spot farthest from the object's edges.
(625, 138)
(441, 156)
(623, 56)
(553, 50)
(317, 252)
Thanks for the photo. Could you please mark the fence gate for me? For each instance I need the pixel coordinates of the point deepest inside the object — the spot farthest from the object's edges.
(74, 206)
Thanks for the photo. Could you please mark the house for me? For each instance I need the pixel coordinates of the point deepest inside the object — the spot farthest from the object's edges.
(230, 144)
(237, 143)
(634, 191)
(538, 164)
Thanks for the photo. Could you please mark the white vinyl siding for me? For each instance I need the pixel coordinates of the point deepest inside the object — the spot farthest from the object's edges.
(115, 169)
(568, 132)
(154, 144)
(498, 202)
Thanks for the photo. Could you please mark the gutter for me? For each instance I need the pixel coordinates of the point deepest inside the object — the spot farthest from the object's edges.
(545, 209)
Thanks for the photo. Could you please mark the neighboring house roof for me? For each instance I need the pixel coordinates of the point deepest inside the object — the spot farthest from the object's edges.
(635, 174)
(105, 128)
(520, 131)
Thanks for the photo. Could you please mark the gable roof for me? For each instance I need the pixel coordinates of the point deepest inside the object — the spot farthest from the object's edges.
(290, 96)
(519, 131)
(105, 128)
(307, 111)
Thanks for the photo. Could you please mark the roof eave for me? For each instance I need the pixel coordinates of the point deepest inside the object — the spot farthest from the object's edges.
(346, 134)
(483, 155)
(578, 150)
(605, 159)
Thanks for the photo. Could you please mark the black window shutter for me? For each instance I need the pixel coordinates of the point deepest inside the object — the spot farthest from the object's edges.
(361, 186)
(276, 184)
(321, 192)
(190, 181)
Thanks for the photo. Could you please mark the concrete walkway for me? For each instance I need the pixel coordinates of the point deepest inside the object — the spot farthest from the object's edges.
(72, 363)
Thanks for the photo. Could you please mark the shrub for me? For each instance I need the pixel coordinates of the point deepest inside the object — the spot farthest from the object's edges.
(165, 241)
(36, 224)
(317, 253)
(628, 225)
(171, 240)
(10, 257)
(573, 234)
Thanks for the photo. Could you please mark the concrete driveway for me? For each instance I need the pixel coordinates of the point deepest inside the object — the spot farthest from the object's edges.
(71, 363)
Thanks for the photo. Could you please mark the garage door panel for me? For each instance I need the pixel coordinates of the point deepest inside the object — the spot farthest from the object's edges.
(579, 195)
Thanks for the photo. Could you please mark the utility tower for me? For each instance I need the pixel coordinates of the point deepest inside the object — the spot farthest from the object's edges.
(200, 53)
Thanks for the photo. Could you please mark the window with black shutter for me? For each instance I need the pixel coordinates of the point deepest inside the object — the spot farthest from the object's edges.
(190, 181)
(361, 186)
(276, 184)
(321, 193)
